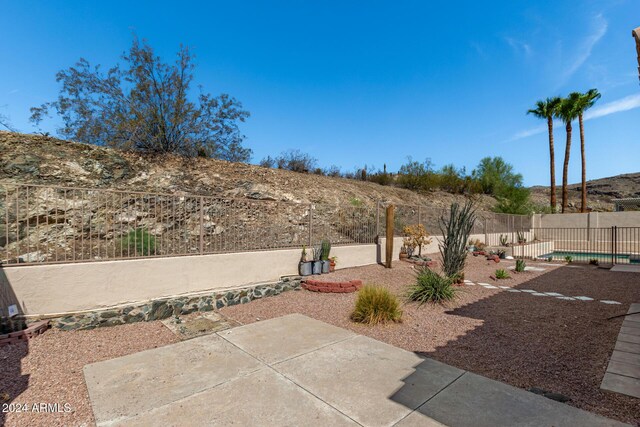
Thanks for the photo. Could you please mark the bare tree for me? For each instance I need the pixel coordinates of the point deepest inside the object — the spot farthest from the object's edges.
(145, 106)
(6, 123)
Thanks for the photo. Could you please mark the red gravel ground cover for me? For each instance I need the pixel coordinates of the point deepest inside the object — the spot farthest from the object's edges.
(524, 340)
(527, 341)
(48, 369)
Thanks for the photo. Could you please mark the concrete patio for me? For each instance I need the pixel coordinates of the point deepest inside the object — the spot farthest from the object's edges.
(295, 370)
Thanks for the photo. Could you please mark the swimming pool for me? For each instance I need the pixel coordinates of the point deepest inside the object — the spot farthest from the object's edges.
(588, 256)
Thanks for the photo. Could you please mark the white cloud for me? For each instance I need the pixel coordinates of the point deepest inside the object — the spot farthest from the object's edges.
(583, 52)
(627, 103)
(519, 46)
(624, 104)
(529, 132)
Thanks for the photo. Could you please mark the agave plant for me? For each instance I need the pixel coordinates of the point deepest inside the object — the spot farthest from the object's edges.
(455, 231)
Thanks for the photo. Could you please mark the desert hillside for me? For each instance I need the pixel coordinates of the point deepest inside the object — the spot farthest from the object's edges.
(36, 159)
(39, 159)
(600, 192)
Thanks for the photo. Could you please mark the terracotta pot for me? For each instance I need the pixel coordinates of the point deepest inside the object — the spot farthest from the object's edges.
(332, 266)
(404, 255)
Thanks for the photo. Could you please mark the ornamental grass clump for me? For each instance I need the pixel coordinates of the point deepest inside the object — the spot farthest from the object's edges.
(432, 287)
(375, 304)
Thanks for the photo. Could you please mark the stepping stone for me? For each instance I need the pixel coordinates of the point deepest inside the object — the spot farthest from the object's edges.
(484, 284)
(490, 287)
(539, 294)
(513, 290)
(504, 287)
(554, 294)
(604, 301)
(584, 298)
(470, 284)
(467, 281)
(566, 298)
(527, 290)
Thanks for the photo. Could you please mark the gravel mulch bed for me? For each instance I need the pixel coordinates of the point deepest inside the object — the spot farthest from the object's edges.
(527, 341)
(48, 369)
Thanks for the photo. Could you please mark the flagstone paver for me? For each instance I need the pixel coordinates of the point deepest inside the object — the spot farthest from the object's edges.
(623, 371)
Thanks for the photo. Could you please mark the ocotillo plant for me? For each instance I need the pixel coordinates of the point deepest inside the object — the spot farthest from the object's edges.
(455, 231)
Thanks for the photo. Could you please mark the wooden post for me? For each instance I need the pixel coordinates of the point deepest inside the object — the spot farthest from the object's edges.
(389, 245)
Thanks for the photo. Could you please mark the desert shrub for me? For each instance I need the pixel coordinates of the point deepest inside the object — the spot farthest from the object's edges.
(332, 170)
(431, 286)
(456, 230)
(520, 265)
(138, 242)
(502, 274)
(451, 179)
(415, 236)
(293, 160)
(381, 178)
(568, 258)
(376, 304)
(417, 176)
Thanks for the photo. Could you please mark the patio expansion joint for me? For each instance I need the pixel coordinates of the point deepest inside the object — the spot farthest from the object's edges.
(432, 397)
(272, 368)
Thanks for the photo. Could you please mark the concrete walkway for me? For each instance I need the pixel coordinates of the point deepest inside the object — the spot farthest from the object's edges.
(623, 371)
(297, 371)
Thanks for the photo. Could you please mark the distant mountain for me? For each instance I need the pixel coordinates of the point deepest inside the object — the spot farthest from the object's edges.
(600, 192)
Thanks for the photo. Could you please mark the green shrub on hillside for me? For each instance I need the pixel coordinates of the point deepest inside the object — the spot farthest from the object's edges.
(138, 242)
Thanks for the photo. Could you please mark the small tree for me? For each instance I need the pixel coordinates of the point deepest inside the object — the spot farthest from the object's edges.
(456, 229)
(416, 236)
(145, 105)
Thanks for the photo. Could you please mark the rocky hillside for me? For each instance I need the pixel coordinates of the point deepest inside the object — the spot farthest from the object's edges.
(600, 192)
(44, 160)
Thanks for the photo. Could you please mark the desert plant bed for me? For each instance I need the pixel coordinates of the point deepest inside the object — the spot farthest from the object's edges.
(538, 343)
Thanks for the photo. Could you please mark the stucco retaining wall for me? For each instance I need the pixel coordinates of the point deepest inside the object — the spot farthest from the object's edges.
(62, 288)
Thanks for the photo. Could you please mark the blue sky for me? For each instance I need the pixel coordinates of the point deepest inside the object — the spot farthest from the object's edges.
(354, 83)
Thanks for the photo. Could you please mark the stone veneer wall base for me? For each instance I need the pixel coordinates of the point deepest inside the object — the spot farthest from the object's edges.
(162, 308)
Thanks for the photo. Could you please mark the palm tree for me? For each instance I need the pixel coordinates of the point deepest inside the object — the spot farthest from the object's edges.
(548, 109)
(568, 111)
(585, 102)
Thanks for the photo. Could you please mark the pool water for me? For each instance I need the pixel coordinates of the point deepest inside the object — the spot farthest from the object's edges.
(588, 256)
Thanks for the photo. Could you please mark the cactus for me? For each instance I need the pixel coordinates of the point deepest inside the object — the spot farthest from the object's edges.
(317, 252)
(503, 240)
(325, 250)
(520, 265)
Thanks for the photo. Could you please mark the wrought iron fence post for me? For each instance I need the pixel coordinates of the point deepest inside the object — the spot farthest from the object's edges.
(486, 235)
(201, 225)
(613, 234)
(310, 224)
(377, 218)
